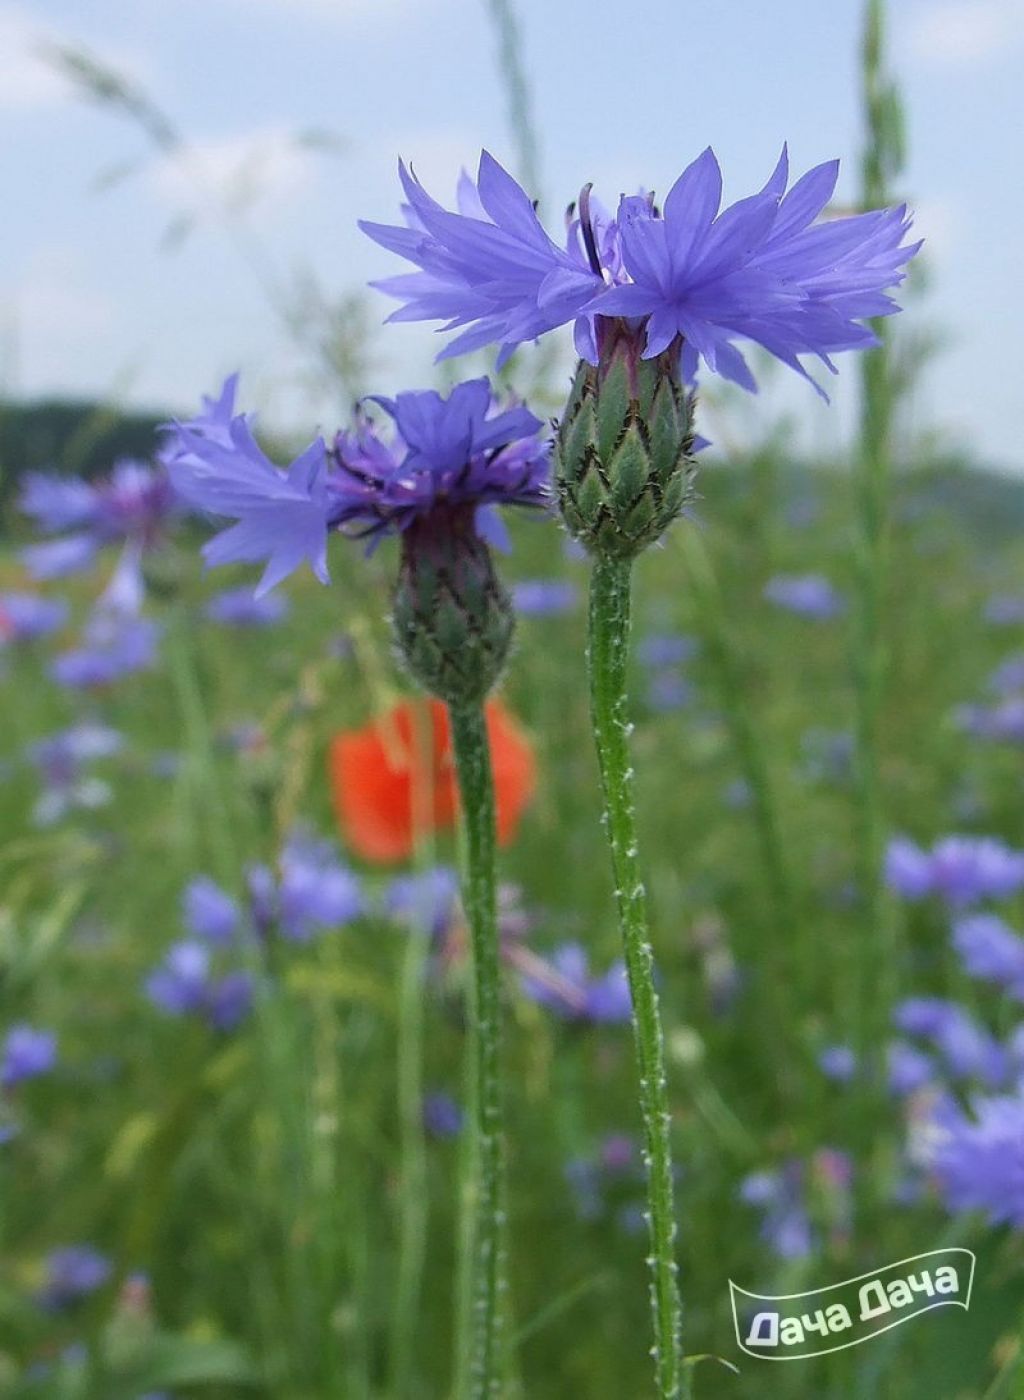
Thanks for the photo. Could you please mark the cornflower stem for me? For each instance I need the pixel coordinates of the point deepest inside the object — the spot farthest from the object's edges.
(607, 659)
(482, 1368)
(413, 1200)
(878, 987)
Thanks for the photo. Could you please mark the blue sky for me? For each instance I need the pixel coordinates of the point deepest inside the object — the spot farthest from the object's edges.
(90, 302)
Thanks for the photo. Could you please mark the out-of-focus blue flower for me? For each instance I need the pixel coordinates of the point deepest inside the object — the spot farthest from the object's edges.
(808, 595)
(659, 649)
(838, 1063)
(26, 616)
(968, 1050)
(1002, 723)
(687, 275)
(909, 1069)
(1005, 609)
(1008, 677)
(60, 760)
(959, 869)
(564, 985)
(827, 755)
(604, 1182)
(977, 1158)
(668, 691)
(239, 607)
(428, 901)
(210, 913)
(780, 1198)
(184, 985)
(132, 506)
(180, 984)
(315, 891)
(540, 597)
(73, 1272)
(26, 1053)
(114, 644)
(442, 1116)
(448, 453)
(990, 949)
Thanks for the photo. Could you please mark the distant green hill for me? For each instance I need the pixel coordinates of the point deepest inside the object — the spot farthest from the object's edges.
(63, 435)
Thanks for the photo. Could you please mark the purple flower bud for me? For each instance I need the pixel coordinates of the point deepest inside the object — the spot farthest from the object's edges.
(26, 1053)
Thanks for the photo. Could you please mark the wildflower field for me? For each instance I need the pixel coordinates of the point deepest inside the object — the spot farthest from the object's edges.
(455, 951)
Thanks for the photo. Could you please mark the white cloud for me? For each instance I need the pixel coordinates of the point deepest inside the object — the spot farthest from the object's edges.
(967, 33)
(234, 171)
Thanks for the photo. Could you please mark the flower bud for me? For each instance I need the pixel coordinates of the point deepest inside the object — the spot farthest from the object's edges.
(624, 452)
(452, 618)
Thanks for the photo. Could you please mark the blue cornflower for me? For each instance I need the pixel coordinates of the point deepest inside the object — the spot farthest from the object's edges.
(115, 643)
(909, 1069)
(659, 649)
(133, 506)
(1002, 723)
(442, 1116)
(808, 595)
(184, 984)
(239, 607)
(969, 1051)
(1005, 609)
(209, 912)
(1008, 677)
(72, 1273)
(25, 1053)
(838, 1063)
(990, 949)
(448, 453)
(26, 616)
(686, 275)
(428, 901)
(540, 597)
(959, 869)
(564, 984)
(978, 1157)
(60, 760)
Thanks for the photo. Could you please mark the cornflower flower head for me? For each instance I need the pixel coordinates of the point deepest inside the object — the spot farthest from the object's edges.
(133, 506)
(26, 1053)
(807, 595)
(185, 985)
(538, 597)
(685, 276)
(961, 870)
(61, 759)
(72, 1273)
(309, 892)
(26, 616)
(564, 984)
(1002, 723)
(239, 607)
(967, 1048)
(977, 1157)
(115, 643)
(990, 950)
(450, 459)
(442, 1116)
(651, 292)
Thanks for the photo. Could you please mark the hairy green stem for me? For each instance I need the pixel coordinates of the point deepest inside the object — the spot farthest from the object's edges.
(608, 655)
(483, 1365)
(878, 983)
(413, 1199)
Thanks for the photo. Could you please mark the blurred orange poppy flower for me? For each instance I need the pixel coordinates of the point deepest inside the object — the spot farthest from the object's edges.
(378, 771)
